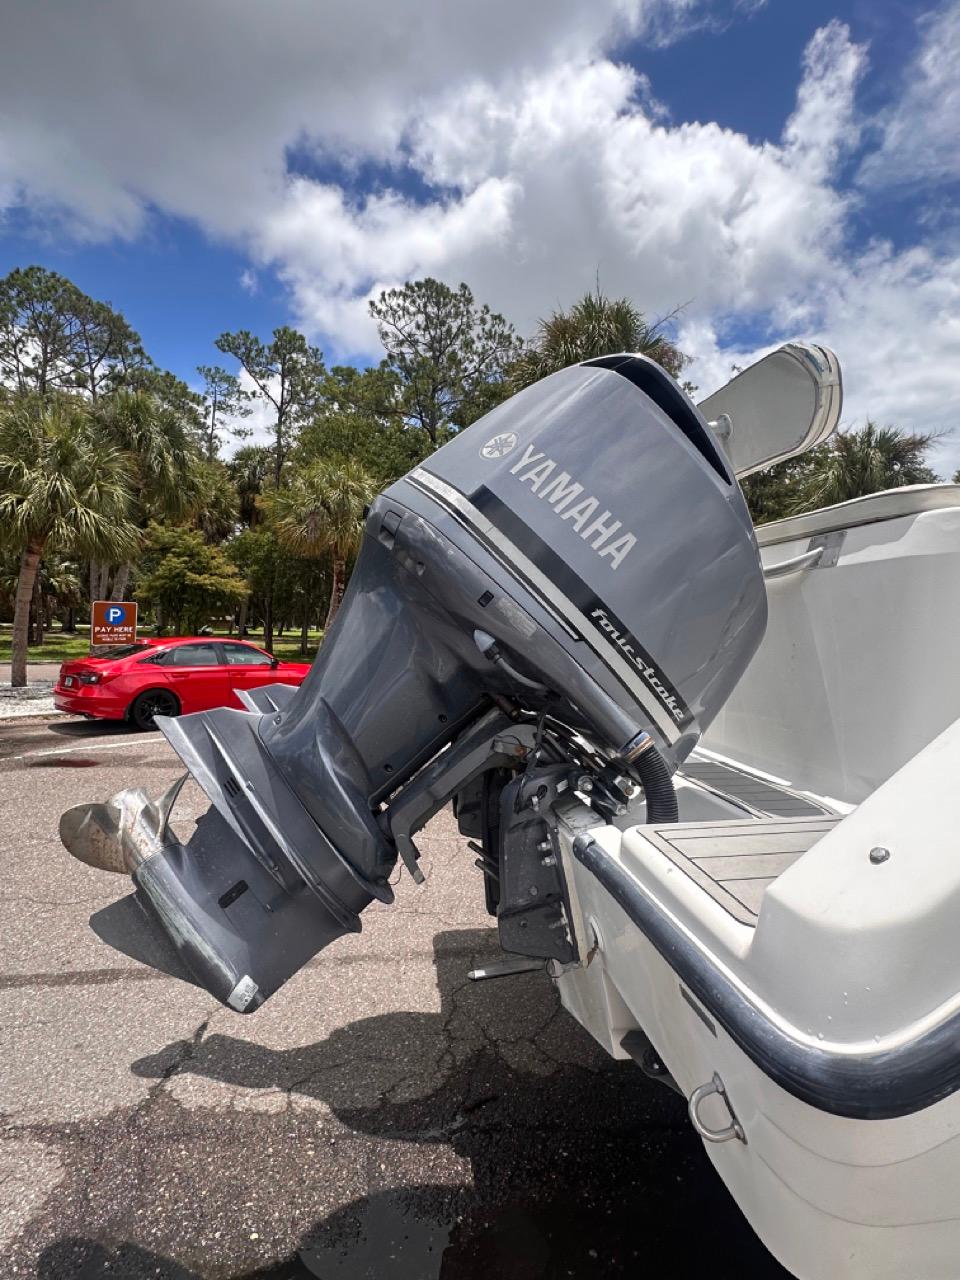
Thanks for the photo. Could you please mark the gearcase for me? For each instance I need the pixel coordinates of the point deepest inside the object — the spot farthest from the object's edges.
(558, 600)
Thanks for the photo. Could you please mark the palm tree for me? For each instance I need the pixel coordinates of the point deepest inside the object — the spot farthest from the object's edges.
(163, 459)
(61, 589)
(62, 487)
(594, 326)
(214, 509)
(321, 512)
(855, 463)
(56, 592)
(249, 468)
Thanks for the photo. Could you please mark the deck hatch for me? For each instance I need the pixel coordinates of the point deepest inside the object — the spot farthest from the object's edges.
(736, 862)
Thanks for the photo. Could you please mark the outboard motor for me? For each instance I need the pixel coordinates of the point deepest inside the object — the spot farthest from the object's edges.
(558, 600)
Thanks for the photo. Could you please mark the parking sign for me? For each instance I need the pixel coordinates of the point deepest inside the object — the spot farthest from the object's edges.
(113, 622)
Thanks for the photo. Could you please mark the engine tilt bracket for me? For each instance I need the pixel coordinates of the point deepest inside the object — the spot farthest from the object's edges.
(494, 742)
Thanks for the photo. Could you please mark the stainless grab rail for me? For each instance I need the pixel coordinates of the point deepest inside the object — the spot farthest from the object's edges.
(806, 560)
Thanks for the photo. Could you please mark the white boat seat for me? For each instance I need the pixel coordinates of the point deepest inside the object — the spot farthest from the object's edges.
(736, 862)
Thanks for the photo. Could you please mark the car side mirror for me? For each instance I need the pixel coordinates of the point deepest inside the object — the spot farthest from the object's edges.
(274, 663)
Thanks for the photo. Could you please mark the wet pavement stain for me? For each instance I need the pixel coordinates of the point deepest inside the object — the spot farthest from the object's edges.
(393, 1243)
(536, 1241)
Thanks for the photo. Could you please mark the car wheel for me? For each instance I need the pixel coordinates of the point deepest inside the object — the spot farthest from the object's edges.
(155, 702)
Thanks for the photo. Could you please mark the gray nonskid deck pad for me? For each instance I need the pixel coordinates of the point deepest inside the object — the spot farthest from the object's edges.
(755, 793)
(736, 862)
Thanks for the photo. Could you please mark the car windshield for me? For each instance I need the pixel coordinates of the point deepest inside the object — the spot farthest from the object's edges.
(116, 650)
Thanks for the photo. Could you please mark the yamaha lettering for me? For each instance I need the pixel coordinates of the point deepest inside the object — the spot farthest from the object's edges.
(564, 495)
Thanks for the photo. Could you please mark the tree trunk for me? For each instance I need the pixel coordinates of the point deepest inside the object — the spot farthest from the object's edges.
(94, 576)
(37, 637)
(104, 582)
(336, 590)
(29, 567)
(70, 625)
(242, 623)
(278, 451)
(304, 630)
(121, 582)
(268, 622)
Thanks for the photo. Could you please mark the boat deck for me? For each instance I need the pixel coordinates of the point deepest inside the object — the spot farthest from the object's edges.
(749, 791)
(756, 829)
(736, 862)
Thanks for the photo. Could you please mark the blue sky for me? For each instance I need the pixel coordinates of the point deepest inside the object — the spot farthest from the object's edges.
(781, 169)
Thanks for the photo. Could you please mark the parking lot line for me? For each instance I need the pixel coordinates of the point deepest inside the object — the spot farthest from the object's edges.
(72, 749)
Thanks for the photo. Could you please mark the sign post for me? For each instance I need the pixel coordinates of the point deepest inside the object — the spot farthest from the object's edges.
(113, 622)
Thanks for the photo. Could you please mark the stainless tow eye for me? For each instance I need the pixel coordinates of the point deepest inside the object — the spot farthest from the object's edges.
(733, 1130)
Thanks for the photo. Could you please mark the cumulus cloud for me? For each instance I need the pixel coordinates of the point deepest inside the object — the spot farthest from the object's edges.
(564, 175)
(920, 140)
(506, 145)
(894, 318)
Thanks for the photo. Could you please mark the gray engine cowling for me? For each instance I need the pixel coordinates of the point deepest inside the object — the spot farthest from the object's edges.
(579, 564)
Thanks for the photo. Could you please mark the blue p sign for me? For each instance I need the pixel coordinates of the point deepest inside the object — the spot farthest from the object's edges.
(115, 615)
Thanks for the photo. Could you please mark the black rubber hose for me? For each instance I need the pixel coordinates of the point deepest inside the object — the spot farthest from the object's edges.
(657, 786)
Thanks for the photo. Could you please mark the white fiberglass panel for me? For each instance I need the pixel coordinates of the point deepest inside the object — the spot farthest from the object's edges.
(858, 669)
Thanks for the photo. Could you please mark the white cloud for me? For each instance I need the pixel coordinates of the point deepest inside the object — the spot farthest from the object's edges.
(894, 319)
(548, 163)
(566, 175)
(921, 132)
(109, 110)
(824, 123)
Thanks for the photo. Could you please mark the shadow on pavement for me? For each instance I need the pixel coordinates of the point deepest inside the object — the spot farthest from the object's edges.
(579, 1166)
(89, 729)
(125, 926)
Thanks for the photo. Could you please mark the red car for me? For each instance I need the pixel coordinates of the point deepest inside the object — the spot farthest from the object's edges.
(167, 678)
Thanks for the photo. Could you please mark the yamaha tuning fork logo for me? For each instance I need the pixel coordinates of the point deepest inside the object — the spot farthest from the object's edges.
(499, 446)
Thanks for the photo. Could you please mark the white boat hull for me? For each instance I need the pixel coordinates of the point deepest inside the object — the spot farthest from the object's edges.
(812, 965)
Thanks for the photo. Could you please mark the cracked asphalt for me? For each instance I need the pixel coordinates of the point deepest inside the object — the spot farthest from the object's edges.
(380, 1117)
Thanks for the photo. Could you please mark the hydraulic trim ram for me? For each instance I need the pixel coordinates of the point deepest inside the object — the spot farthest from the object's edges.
(560, 599)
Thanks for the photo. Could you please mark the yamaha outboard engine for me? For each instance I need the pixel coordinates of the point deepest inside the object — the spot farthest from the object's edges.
(558, 600)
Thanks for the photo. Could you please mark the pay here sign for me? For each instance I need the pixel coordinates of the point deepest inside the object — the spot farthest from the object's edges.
(113, 622)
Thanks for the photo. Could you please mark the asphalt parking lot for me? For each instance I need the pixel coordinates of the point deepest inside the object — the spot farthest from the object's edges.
(381, 1117)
